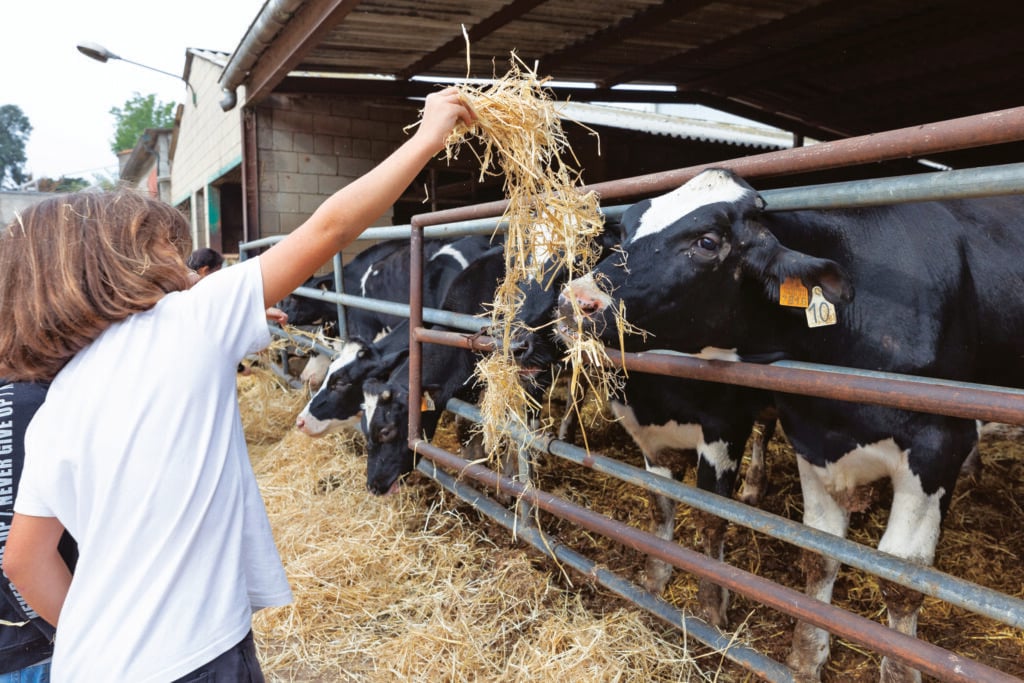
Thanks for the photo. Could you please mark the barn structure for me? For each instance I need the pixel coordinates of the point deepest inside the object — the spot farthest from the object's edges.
(320, 90)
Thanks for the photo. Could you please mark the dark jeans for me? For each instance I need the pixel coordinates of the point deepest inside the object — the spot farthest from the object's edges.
(237, 665)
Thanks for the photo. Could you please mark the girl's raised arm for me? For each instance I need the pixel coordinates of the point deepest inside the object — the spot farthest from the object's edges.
(350, 210)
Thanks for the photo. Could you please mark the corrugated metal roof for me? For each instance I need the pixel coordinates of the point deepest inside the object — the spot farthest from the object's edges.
(821, 68)
(656, 123)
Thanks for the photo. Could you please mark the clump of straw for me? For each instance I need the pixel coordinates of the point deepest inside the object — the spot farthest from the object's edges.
(552, 228)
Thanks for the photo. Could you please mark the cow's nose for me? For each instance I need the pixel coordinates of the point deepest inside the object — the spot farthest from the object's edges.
(586, 303)
(299, 423)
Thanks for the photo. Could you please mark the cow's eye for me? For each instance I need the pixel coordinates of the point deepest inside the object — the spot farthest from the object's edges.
(708, 243)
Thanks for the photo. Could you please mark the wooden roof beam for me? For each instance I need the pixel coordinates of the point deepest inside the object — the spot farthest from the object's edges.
(478, 31)
(627, 28)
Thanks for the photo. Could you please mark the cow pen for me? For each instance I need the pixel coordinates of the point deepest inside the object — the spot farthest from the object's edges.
(911, 393)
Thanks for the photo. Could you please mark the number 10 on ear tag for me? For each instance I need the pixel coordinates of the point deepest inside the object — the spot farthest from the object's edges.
(820, 312)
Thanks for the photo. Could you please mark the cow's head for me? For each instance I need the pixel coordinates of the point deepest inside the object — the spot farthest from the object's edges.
(532, 344)
(302, 310)
(386, 427)
(337, 403)
(691, 263)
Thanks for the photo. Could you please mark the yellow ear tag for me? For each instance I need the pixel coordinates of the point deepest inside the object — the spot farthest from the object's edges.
(820, 312)
(426, 403)
(793, 292)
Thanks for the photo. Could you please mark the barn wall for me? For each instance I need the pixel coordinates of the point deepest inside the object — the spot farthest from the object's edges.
(311, 146)
(12, 203)
(209, 140)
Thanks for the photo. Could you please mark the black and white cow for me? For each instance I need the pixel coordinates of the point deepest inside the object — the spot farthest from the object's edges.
(303, 311)
(937, 294)
(447, 372)
(336, 404)
(338, 401)
(675, 422)
(382, 272)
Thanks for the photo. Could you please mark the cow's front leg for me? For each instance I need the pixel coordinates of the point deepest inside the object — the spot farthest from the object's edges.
(755, 482)
(810, 647)
(666, 463)
(913, 534)
(717, 465)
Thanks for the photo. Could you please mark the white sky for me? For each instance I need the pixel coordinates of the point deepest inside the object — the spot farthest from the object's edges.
(67, 97)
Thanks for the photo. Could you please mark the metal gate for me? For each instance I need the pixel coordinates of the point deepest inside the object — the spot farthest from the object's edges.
(910, 393)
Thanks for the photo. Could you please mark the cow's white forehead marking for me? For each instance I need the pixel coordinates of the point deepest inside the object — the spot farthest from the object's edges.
(448, 250)
(345, 356)
(710, 187)
(369, 407)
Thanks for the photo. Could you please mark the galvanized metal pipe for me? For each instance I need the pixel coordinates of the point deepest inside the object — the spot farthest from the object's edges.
(433, 315)
(301, 341)
(964, 184)
(923, 656)
(339, 287)
(764, 667)
(415, 417)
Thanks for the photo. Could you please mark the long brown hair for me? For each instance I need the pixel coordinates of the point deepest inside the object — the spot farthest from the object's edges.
(72, 265)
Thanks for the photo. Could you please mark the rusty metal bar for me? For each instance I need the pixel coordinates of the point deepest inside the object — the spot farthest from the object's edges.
(415, 322)
(967, 132)
(955, 399)
(907, 392)
(923, 656)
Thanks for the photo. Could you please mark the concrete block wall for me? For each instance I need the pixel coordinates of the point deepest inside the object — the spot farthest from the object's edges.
(14, 202)
(311, 146)
(210, 139)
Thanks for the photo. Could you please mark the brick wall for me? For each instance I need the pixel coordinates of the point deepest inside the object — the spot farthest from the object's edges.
(311, 146)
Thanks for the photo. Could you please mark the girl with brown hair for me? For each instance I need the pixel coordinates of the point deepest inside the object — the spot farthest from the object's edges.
(138, 450)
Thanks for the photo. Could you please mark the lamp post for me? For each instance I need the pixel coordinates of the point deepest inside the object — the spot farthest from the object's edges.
(102, 54)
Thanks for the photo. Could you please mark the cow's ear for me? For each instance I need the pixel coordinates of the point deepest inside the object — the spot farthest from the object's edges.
(811, 270)
(614, 232)
(427, 402)
(631, 219)
(429, 392)
(390, 361)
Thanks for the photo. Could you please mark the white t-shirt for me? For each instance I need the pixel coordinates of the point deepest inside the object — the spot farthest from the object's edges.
(139, 452)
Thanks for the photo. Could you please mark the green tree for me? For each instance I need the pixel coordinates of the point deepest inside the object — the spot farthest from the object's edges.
(62, 184)
(14, 131)
(138, 114)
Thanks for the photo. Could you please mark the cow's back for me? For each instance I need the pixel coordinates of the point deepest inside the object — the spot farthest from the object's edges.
(937, 287)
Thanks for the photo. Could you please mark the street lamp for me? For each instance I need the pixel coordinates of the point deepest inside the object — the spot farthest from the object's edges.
(102, 54)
